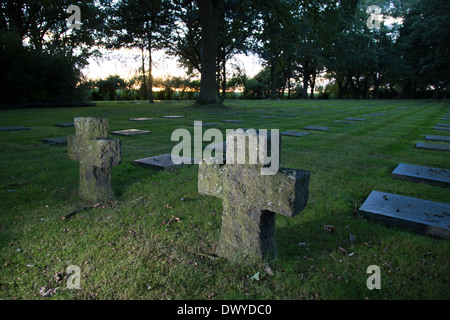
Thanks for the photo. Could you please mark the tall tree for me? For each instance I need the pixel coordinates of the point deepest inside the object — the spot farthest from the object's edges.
(209, 20)
(424, 39)
(143, 24)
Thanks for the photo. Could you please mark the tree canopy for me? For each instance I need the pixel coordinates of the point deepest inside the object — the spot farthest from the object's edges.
(366, 49)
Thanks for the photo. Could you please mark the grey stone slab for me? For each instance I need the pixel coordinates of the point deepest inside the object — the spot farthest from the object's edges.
(343, 121)
(432, 146)
(15, 128)
(142, 119)
(232, 121)
(441, 128)
(204, 124)
(355, 119)
(287, 115)
(316, 128)
(434, 176)
(161, 162)
(294, 133)
(438, 138)
(269, 117)
(130, 132)
(445, 119)
(65, 124)
(420, 215)
(62, 141)
(173, 117)
(442, 124)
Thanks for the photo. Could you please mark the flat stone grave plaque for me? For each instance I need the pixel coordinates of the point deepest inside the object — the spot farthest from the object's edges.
(61, 141)
(294, 133)
(440, 177)
(142, 119)
(173, 117)
(355, 119)
(432, 146)
(441, 128)
(442, 124)
(445, 119)
(343, 121)
(232, 121)
(438, 138)
(316, 128)
(15, 128)
(130, 132)
(422, 216)
(204, 124)
(161, 162)
(269, 117)
(287, 115)
(65, 124)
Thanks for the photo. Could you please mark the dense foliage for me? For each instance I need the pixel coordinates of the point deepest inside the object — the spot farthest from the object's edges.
(366, 49)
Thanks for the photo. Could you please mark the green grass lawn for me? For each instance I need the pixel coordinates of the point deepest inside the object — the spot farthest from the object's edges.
(132, 249)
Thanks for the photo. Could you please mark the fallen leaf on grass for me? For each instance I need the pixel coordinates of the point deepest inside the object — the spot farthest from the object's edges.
(47, 293)
(267, 269)
(346, 253)
(173, 218)
(255, 277)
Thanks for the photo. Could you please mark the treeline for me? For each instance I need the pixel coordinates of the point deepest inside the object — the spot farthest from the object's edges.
(367, 49)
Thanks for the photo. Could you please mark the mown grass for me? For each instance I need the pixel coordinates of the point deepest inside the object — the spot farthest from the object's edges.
(133, 248)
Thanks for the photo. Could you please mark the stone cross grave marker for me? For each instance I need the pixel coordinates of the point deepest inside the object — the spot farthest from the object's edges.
(96, 153)
(250, 202)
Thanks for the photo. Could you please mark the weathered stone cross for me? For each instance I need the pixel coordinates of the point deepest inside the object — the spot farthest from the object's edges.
(96, 153)
(250, 201)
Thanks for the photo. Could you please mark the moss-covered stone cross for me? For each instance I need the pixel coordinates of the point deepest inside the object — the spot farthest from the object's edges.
(96, 153)
(250, 201)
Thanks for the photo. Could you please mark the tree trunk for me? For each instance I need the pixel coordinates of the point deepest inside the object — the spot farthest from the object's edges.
(224, 79)
(209, 20)
(273, 78)
(313, 83)
(144, 85)
(150, 77)
(305, 85)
